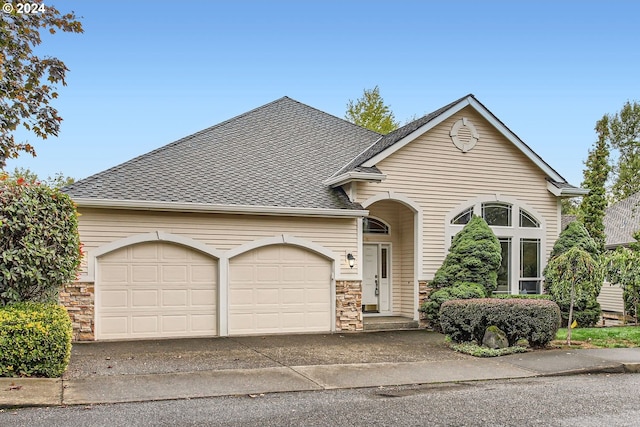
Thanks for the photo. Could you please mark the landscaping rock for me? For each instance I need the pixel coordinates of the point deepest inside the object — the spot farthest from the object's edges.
(495, 338)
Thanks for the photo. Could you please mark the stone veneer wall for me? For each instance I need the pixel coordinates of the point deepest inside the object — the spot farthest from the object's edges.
(79, 300)
(349, 306)
(423, 294)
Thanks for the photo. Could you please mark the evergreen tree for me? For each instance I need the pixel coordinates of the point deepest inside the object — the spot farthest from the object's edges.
(574, 235)
(596, 173)
(560, 275)
(370, 112)
(474, 257)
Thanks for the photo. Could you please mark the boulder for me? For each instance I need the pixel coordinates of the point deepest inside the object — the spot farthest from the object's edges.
(495, 338)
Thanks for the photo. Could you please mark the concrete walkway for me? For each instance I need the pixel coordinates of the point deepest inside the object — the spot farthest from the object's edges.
(190, 368)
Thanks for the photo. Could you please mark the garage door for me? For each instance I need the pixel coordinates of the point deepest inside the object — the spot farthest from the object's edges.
(155, 290)
(279, 289)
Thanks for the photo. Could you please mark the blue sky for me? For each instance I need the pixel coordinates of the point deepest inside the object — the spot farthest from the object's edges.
(146, 73)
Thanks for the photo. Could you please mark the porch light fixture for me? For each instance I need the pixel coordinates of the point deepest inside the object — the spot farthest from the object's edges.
(351, 259)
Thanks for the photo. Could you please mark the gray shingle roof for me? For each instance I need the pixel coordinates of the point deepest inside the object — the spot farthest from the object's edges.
(276, 155)
(621, 220)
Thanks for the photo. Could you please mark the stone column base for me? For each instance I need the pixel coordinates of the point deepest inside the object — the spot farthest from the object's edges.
(349, 306)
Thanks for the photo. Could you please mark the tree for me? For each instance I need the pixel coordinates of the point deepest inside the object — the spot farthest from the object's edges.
(623, 133)
(574, 275)
(28, 81)
(623, 269)
(370, 112)
(474, 257)
(574, 235)
(59, 180)
(596, 173)
(559, 278)
(39, 243)
(569, 206)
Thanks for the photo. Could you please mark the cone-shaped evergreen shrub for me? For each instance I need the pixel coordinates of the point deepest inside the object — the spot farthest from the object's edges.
(575, 234)
(474, 257)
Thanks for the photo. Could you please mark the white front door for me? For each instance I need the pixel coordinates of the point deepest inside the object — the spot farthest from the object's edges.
(376, 283)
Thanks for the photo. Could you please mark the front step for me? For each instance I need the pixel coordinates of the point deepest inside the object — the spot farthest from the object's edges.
(391, 323)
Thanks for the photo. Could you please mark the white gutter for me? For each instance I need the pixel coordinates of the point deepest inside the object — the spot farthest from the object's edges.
(566, 192)
(201, 207)
(341, 179)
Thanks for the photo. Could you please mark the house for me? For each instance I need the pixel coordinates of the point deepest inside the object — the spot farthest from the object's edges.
(286, 219)
(621, 222)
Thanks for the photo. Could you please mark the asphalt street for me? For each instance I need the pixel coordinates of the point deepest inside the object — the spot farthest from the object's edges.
(584, 400)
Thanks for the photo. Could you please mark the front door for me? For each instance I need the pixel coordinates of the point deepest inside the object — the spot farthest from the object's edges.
(376, 289)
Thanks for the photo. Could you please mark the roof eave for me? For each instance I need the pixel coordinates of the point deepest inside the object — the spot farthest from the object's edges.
(148, 205)
(566, 192)
(337, 181)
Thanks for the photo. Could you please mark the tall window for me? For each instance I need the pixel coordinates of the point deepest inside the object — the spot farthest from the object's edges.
(521, 237)
(530, 266)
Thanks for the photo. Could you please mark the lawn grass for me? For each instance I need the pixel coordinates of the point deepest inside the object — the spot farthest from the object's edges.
(611, 337)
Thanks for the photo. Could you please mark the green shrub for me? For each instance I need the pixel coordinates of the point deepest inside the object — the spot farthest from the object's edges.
(537, 321)
(431, 307)
(523, 296)
(39, 243)
(35, 340)
(474, 257)
(476, 350)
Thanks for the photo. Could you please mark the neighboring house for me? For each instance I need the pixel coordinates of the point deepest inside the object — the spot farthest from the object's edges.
(621, 221)
(286, 219)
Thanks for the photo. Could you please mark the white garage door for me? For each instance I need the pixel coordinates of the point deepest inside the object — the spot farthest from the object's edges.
(279, 289)
(154, 290)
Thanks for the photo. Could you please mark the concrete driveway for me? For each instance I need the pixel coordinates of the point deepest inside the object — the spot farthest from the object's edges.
(205, 354)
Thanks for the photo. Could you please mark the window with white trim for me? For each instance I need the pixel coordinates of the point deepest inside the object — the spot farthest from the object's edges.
(522, 238)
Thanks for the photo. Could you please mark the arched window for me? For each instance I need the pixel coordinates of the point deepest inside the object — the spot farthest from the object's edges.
(528, 220)
(521, 237)
(463, 217)
(374, 226)
(498, 214)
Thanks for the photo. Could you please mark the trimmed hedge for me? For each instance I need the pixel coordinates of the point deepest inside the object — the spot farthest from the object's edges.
(523, 296)
(35, 340)
(431, 307)
(537, 321)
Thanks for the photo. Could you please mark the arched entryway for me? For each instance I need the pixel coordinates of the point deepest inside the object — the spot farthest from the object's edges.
(390, 241)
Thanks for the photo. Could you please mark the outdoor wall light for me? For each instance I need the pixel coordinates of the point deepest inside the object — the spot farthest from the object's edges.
(351, 259)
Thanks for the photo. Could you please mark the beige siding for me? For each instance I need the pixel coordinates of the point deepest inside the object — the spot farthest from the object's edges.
(222, 232)
(610, 298)
(435, 174)
(407, 252)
